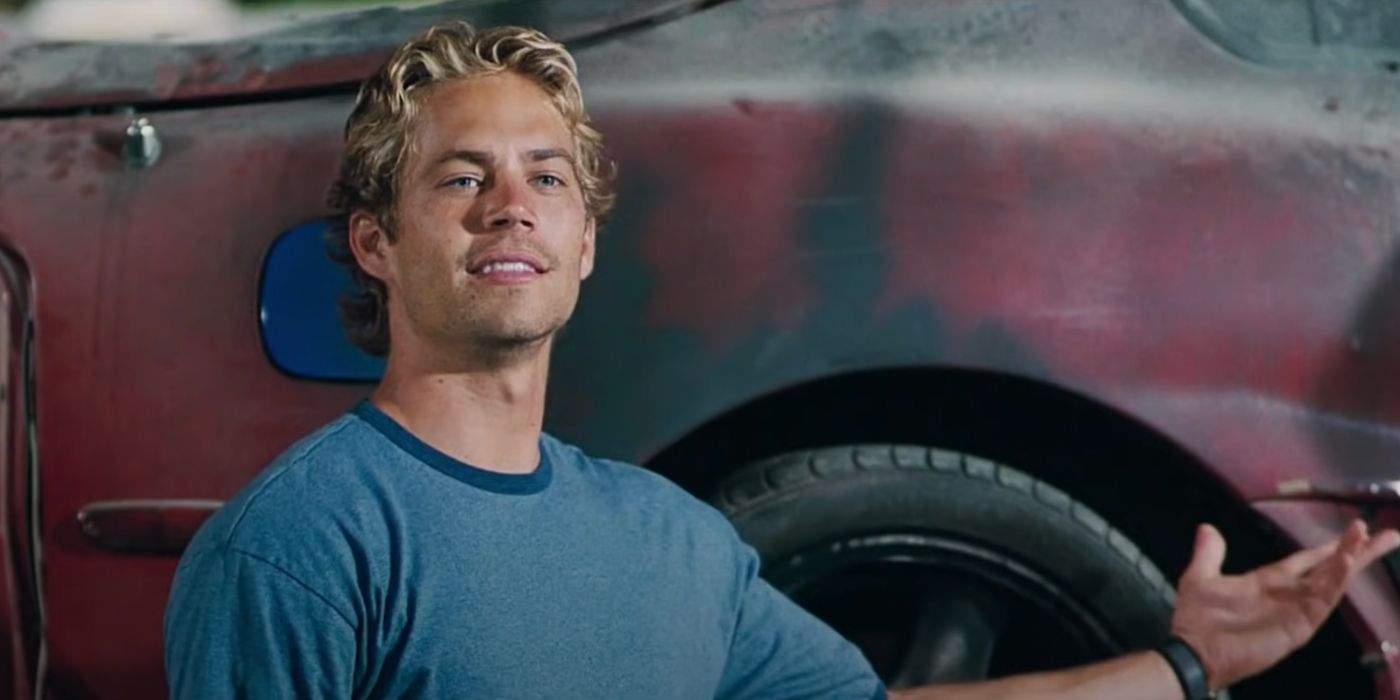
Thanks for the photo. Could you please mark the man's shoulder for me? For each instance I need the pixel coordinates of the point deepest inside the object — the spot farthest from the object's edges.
(625, 483)
(306, 488)
(299, 526)
(612, 472)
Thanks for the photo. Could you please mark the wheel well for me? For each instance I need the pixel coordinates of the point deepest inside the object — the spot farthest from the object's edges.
(1143, 483)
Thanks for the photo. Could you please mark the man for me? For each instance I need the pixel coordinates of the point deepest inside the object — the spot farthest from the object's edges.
(434, 543)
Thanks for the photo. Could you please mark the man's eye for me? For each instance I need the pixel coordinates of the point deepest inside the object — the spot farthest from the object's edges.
(464, 182)
(549, 180)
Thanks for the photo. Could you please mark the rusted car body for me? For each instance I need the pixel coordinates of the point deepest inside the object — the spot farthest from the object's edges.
(1141, 249)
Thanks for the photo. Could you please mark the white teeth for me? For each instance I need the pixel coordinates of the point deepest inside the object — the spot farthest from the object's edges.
(507, 267)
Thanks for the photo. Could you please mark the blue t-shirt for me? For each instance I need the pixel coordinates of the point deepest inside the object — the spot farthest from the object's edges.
(365, 564)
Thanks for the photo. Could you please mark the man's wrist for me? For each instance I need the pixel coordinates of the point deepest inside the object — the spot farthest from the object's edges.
(1189, 669)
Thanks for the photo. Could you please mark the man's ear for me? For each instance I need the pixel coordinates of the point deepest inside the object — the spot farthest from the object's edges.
(590, 239)
(370, 244)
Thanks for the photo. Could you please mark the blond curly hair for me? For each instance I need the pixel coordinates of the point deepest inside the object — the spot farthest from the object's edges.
(378, 138)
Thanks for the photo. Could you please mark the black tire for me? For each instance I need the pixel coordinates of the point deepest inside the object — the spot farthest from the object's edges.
(943, 566)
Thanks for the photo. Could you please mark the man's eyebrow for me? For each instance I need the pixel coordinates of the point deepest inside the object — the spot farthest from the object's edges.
(541, 154)
(485, 159)
(481, 158)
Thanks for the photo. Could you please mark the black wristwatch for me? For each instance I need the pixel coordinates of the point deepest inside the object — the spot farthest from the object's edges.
(1187, 666)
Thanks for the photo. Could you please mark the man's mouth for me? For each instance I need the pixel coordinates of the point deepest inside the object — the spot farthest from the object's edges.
(508, 267)
(495, 267)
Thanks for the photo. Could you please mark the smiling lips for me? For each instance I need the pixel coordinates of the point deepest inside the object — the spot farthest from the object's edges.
(508, 268)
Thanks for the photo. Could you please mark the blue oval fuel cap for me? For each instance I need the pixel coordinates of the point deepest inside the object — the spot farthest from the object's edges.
(299, 311)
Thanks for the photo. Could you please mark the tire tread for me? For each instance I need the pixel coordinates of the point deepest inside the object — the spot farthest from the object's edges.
(783, 475)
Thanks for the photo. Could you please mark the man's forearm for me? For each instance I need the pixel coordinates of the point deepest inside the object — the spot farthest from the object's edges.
(1141, 676)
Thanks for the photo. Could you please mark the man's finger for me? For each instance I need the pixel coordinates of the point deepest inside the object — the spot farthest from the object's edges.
(1380, 544)
(1302, 562)
(1332, 576)
(1209, 554)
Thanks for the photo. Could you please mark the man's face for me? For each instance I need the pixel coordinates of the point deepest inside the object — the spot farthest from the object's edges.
(493, 237)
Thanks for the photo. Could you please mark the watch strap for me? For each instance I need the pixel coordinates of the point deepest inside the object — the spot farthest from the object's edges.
(1187, 666)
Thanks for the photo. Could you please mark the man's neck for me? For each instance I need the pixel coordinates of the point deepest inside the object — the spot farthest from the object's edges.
(489, 418)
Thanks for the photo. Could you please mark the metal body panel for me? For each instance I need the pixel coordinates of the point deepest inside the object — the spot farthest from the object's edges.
(19, 616)
(303, 55)
(1196, 241)
(152, 378)
(1088, 194)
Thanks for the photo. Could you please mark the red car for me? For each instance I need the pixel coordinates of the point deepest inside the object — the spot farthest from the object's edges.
(966, 311)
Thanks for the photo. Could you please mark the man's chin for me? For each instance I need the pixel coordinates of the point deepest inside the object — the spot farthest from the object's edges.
(517, 339)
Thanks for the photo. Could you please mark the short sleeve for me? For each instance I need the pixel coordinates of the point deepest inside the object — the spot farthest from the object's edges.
(781, 652)
(238, 626)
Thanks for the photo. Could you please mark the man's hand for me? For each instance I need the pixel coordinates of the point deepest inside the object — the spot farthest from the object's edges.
(1241, 625)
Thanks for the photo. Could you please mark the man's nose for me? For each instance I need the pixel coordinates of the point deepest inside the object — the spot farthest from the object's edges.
(509, 208)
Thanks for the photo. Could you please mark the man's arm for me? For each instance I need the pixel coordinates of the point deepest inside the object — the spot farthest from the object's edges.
(779, 650)
(1238, 625)
(1141, 676)
(240, 627)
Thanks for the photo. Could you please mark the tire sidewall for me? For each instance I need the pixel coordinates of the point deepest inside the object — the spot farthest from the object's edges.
(1004, 511)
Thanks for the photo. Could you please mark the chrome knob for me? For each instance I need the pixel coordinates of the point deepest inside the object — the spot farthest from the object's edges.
(141, 147)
